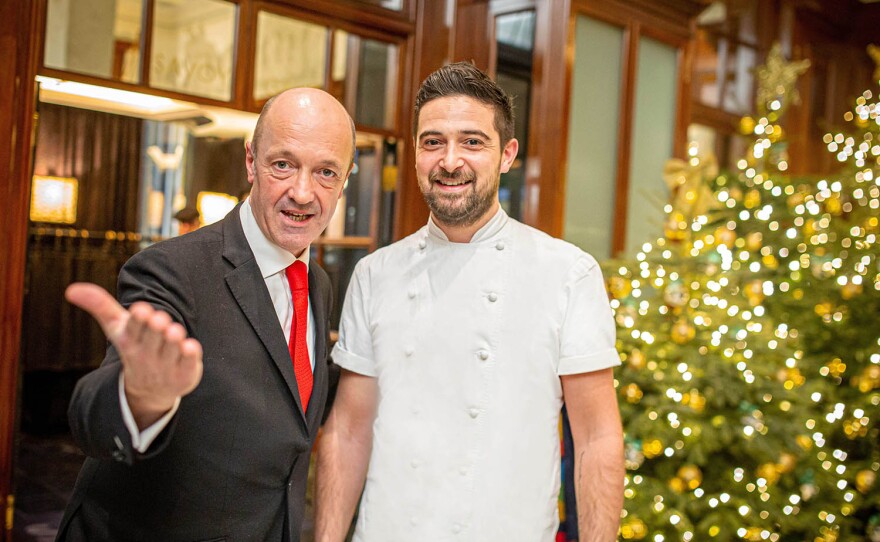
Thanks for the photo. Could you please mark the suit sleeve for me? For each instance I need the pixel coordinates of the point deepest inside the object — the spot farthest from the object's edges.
(95, 413)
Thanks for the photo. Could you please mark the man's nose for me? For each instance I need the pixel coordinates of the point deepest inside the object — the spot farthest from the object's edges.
(451, 159)
(301, 189)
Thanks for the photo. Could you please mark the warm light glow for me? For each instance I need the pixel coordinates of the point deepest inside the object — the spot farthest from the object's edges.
(214, 205)
(124, 97)
(54, 199)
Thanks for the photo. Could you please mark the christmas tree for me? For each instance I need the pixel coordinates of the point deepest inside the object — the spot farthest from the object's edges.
(749, 339)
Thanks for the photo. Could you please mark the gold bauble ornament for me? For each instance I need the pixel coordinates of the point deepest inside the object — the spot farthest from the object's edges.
(754, 534)
(787, 462)
(754, 291)
(850, 290)
(865, 480)
(677, 484)
(809, 227)
(778, 134)
(725, 236)
(836, 367)
(634, 529)
(683, 331)
(675, 229)
(619, 287)
(652, 448)
(753, 199)
(869, 380)
(824, 309)
(691, 475)
(747, 125)
(637, 359)
(804, 441)
(754, 241)
(769, 472)
(833, 205)
(695, 400)
(633, 393)
(795, 199)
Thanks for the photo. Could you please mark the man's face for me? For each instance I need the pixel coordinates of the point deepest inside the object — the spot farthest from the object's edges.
(299, 170)
(459, 159)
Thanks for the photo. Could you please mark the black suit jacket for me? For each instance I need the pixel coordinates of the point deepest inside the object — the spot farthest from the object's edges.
(233, 462)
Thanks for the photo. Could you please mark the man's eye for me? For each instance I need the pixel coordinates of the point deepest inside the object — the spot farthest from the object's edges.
(473, 142)
(327, 173)
(431, 143)
(282, 164)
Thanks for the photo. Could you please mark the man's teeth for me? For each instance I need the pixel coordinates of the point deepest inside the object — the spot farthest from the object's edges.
(453, 182)
(295, 216)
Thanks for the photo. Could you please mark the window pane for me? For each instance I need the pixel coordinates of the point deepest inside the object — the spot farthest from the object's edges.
(94, 37)
(364, 78)
(592, 137)
(192, 47)
(653, 128)
(290, 53)
(514, 34)
(723, 73)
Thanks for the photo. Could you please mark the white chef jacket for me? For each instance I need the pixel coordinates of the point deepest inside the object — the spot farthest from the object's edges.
(467, 341)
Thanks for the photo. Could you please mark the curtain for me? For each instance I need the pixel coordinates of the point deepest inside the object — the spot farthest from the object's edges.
(102, 151)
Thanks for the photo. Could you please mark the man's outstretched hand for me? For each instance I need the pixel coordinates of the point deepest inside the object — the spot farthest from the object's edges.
(159, 362)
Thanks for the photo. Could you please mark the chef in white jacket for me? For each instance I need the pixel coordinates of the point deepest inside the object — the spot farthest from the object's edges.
(459, 345)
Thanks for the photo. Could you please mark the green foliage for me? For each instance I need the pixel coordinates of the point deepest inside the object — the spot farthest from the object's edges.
(750, 340)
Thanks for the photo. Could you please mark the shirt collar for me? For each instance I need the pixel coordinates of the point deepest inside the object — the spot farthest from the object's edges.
(489, 230)
(270, 257)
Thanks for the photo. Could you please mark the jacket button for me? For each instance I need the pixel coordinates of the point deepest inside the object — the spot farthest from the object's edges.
(493, 297)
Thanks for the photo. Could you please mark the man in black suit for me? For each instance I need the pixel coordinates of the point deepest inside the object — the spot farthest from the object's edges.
(199, 423)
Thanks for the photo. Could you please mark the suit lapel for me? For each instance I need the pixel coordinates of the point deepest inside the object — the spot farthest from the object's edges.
(249, 290)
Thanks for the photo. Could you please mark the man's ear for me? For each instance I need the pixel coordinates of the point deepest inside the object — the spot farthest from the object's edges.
(249, 161)
(508, 155)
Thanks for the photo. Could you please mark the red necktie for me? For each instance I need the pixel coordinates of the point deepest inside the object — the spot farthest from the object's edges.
(298, 278)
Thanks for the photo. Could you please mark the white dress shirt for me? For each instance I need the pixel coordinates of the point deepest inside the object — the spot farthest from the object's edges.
(468, 342)
(272, 261)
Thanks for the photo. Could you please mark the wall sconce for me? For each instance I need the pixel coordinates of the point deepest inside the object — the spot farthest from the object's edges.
(214, 205)
(53, 199)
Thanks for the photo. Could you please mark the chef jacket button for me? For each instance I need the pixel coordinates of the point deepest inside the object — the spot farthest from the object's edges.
(463, 471)
(422, 244)
(411, 293)
(413, 521)
(474, 412)
(493, 297)
(456, 528)
(408, 351)
(484, 355)
(414, 463)
(499, 245)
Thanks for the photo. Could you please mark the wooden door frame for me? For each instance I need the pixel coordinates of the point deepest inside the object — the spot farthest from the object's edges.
(19, 46)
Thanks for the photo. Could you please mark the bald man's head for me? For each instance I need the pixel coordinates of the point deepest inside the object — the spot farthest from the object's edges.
(313, 94)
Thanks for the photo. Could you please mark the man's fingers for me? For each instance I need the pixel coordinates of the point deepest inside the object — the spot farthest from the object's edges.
(98, 302)
(153, 338)
(191, 363)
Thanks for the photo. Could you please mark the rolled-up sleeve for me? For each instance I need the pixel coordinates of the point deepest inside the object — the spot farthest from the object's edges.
(354, 349)
(587, 339)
